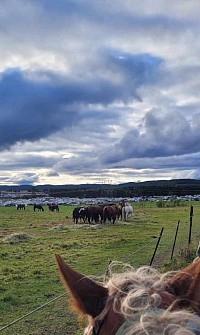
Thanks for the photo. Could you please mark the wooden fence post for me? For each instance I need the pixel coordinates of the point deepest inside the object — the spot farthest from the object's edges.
(156, 246)
(190, 229)
(177, 227)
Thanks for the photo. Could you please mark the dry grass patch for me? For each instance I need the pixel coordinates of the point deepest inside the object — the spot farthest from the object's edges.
(16, 238)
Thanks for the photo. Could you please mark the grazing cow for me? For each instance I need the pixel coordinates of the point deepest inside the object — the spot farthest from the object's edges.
(80, 213)
(110, 213)
(95, 213)
(118, 212)
(21, 206)
(126, 209)
(53, 208)
(38, 207)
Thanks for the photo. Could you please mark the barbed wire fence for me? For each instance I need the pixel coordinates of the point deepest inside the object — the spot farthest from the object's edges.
(54, 316)
(51, 317)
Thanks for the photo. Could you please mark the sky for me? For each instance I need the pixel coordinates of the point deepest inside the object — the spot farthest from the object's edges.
(99, 91)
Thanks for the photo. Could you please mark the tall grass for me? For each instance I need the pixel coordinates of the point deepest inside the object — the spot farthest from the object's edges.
(29, 275)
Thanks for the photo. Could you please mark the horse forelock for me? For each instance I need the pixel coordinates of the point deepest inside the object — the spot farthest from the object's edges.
(131, 293)
(135, 289)
(134, 301)
(139, 297)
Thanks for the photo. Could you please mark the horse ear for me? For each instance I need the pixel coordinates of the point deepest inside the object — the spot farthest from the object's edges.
(87, 297)
(185, 285)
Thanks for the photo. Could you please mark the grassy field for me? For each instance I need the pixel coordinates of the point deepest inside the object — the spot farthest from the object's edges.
(28, 272)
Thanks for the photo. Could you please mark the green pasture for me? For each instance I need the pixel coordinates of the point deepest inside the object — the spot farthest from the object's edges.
(28, 272)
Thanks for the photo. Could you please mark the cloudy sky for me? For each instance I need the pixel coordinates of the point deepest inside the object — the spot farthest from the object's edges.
(99, 91)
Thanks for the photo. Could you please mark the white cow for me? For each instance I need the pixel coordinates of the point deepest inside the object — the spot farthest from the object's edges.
(126, 210)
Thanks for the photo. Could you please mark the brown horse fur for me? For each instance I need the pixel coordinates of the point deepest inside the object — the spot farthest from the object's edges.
(90, 298)
(87, 297)
(110, 213)
(185, 286)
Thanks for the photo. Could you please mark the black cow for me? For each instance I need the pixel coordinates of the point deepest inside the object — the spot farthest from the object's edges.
(21, 206)
(53, 208)
(38, 207)
(80, 213)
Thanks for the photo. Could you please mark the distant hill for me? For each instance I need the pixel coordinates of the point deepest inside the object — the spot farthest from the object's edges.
(130, 189)
(172, 182)
(18, 188)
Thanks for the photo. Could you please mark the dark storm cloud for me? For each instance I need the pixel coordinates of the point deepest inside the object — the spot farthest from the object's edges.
(25, 160)
(162, 136)
(181, 162)
(89, 88)
(66, 8)
(79, 166)
(117, 14)
(142, 67)
(36, 105)
(25, 179)
(30, 110)
(136, 70)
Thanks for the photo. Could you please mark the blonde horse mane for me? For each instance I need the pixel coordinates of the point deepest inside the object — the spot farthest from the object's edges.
(140, 297)
(140, 293)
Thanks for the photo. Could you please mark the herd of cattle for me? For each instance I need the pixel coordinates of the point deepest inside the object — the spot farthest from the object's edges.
(94, 213)
(39, 207)
(98, 213)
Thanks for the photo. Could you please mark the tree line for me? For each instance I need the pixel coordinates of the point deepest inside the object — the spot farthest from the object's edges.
(132, 191)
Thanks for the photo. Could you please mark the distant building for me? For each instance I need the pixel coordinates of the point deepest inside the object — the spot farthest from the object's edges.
(21, 194)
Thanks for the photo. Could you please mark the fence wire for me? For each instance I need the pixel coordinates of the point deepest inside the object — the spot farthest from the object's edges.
(53, 319)
(56, 319)
(55, 313)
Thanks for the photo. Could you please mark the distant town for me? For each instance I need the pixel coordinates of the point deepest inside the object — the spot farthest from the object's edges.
(21, 194)
(132, 189)
(184, 189)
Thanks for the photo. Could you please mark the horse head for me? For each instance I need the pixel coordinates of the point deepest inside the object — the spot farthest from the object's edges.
(87, 297)
(137, 301)
(185, 286)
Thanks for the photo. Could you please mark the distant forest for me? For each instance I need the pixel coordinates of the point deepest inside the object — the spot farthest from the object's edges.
(143, 189)
(176, 187)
